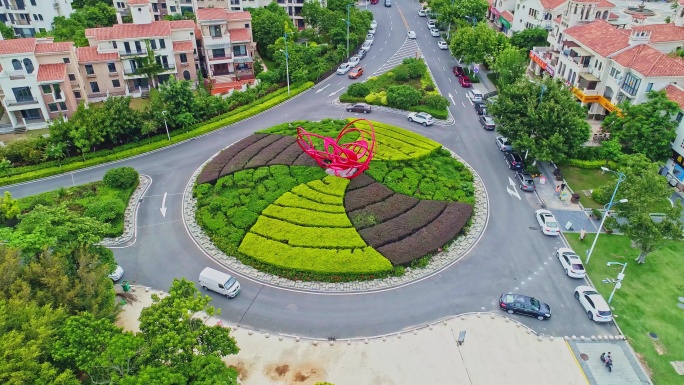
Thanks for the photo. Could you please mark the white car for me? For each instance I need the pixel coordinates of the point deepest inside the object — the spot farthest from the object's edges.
(366, 46)
(374, 24)
(411, 34)
(422, 12)
(593, 303)
(354, 61)
(475, 95)
(503, 144)
(117, 273)
(344, 68)
(547, 222)
(370, 38)
(442, 44)
(421, 117)
(372, 31)
(431, 24)
(435, 32)
(571, 262)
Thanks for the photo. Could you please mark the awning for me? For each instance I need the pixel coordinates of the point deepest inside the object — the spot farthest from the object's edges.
(581, 51)
(589, 77)
(504, 22)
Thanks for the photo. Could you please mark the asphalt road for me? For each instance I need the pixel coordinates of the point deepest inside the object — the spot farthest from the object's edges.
(511, 256)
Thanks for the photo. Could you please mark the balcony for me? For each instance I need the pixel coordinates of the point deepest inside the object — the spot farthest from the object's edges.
(25, 101)
(22, 21)
(136, 71)
(141, 52)
(218, 58)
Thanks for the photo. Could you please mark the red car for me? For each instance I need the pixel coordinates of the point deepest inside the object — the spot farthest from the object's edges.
(458, 71)
(355, 73)
(465, 81)
(374, 1)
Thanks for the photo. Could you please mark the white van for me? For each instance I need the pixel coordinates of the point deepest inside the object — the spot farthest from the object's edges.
(219, 282)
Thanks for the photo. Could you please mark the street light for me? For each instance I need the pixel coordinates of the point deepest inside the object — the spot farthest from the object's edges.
(287, 64)
(348, 23)
(541, 95)
(165, 125)
(621, 177)
(620, 277)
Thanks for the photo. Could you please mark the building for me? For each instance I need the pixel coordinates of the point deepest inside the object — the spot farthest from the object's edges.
(39, 80)
(28, 17)
(160, 8)
(674, 168)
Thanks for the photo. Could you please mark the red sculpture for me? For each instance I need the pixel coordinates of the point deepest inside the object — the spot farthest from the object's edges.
(346, 160)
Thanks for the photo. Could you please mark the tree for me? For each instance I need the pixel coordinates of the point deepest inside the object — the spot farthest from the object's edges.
(647, 128)
(610, 150)
(7, 32)
(72, 28)
(178, 99)
(313, 13)
(118, 121)
(479, 44)
(643, 188)
(510, 65)
(269, 24)
(149, 65)
(549, 125)
(9, 208)
(529, 38)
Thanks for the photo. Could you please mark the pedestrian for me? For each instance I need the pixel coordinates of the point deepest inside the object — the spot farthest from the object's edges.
(558, 190)
(583, 233)
(563, 186)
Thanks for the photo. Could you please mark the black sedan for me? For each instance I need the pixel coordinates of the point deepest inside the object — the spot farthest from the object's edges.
(359, 107)
(514, 161)
(522, 304)
(481, 108)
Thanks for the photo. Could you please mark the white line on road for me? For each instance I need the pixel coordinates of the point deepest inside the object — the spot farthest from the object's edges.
(323, 88)
(438, 59)
(373, 58)
(380, 49)
(339, 83)
(463, 104)
(433, 50)
(456, 91)
(334, 92)
(449, 80)
(443, 69)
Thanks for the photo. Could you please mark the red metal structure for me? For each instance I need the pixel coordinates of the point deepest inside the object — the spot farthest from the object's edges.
(346, 160)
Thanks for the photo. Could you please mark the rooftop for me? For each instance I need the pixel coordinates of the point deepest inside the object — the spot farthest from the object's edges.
(14, 46)
(650, 62)
(552, 4)
(138, 2)
(49, 72)
(54, 47)
(662, 32)
(240, 34)
(132, 31)
(182, 46)
(90, 54)
(675, 93)
(204, 14)
(507, 15)
(605, 4)
(600, 37)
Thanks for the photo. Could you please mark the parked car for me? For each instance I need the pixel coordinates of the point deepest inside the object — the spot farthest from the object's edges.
(372, 31)
(354, 60)
(422, 12)
(525, 181)
(442, 44)
(431, 24)
(435, 32)
(480, 107)
(475, 96)
(374, 24)
(359, 107)
(487, 122)
(220, 282)
(366, 46)
(388, 3)
(503, 144)
(522, 304)
(571, 262)
(344, 68)
(374, 1)
(116, 274)
(458, 71)
(421, 117)
(361, 54)
(464, 81)
(355, 73)
(370, 38)
(593, 303)
(411, 34)
(514, 161)
(547, 222)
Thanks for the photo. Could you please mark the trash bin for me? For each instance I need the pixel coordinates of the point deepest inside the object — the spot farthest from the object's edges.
(556, 171)
(575, 198)
(559, 177)
(126, 287)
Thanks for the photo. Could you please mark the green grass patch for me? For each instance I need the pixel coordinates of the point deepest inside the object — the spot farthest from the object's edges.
(647, 301)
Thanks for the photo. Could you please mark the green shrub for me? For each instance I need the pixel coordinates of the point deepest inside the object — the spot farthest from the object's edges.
(597, 213)
(602, 194)
(437, 114)
(121, 178)
(401, 74)
(415, 68)
(588, 153)
(437, 102)
(371, 98)
(403, 96)
(590, 164)
(358, 90)
(106, 210)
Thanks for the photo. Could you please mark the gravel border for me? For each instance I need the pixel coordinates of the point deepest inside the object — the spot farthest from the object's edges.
(131, 213)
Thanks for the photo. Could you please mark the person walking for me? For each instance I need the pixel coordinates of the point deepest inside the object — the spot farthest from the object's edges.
(583, 233)
(563, 186)
(558, 190)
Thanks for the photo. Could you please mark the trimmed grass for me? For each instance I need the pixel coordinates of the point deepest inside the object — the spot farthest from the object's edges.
(136, 103)
(271, 65)
(647, 301)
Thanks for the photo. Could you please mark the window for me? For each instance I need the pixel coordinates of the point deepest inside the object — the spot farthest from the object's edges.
(631, 84)
(649, 87)
(41, 17)
(66, 60)
(17, 65)
(77, 94)
(116, 83)
(162, 44)
(186, 75)
(33, 2)
(72, 77)
(153, 44)
(183, 58)
(240, 50)
(215, 30)
(218, 52)
(164, 5)
(28, 64)
(246, 25)
(53, 107)
(679, 118)
(89, 69)
(46, 88)
(94, 87)
(22, 94)
(172, 9)
(111, 66)
(114, 44)
(138, 47)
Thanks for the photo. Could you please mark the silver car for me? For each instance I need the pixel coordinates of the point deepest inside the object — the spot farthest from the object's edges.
(421, 117)
(366, 46)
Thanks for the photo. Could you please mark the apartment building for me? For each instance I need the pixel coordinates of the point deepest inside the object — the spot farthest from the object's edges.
(39, 80)
(28, 17)
(160, 8)
(674, 168)
(115, 63)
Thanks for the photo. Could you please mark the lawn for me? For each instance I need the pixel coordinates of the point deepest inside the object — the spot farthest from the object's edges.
(647, 301)
(136, 103)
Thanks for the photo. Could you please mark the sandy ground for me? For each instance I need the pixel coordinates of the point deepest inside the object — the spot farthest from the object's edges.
(495, 351)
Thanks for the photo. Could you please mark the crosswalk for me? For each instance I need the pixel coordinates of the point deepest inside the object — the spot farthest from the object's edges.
(407, 50)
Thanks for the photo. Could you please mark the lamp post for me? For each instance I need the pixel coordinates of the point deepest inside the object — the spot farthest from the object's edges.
(287, 64)
(348, 23)
(621, 177)
(541, 95)
(620, 277)
(165, 125)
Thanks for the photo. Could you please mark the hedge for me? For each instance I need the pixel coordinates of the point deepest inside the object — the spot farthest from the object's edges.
(271, 152)
(360, 198)
(304, 236)
(404, 225)
(360, 181)
(291, 200)
(210, 172)
(590, 164)
(240, 160)
(330, 186)
(307, 217)
(311, 194)
(383, 211)
(158, 142)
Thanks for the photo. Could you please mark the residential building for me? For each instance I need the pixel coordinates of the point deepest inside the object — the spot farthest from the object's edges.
(28, 17)
(160, 8)
(39, 81)
(674, 168)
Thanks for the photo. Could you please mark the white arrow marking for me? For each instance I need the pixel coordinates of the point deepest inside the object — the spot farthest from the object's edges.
(512, 191)
(336, 91)
(323, 88)
(511, 181)
(163, 208)
(452, 98)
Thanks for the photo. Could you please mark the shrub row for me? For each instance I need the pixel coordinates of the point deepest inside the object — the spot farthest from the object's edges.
(362, 197)
(47, 169)
(304, 236)
(404, 225)
(295, 201)
(307, 217)
(360, 181)
(307, 192)
(240, 160)
(288, 155)
(590, 164)
(271, 152)
(331, 186)
(431, 237)
(210, 172)
(304, 160)
(383, 211)
(328, 262)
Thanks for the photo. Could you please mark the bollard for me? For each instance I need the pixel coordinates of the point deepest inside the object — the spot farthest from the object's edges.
(365, 341)
(297, 339)
(315, 343)
(268, 335)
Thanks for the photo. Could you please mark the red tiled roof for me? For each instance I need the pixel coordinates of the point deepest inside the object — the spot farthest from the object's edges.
(183, 24)
(240, 15)
(130, 31)
(650, 62)
(90, 54)
(8, 47)
(181, 46)
(605, 4)
(614, 16)
(239, 34)
(138, 2)
(675, 93)
(221, 88)
(600, 37)
(48, 72)
(54, 47)
(558, 18)
(507, 15)
(552, 4)
(662, 32)
(221, 14)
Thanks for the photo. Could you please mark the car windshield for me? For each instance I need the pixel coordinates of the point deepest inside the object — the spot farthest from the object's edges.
(230, 283)
(604, 313)
(535, 303)
(550, 223)
(576, 266)
(529, 181)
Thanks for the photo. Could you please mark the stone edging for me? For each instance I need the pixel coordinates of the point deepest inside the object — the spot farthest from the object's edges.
(438, 262)
(438, 122)
(130, 213)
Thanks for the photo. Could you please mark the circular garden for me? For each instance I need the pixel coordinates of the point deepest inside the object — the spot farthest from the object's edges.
(266, 202)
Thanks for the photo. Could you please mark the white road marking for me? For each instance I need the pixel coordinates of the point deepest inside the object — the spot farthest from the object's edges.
(381, 49)
(438, 59)
(443, 69)
(452, 99)
(463, 104)
(334, 92)
(449, 80)
(339, 83)
(323, 88)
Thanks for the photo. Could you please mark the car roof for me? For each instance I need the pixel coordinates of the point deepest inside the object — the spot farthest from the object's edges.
(476, 91)
(488, 119)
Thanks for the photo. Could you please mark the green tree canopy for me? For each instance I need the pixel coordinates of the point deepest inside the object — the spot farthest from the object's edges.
(550, 126)
(510, 65)
(529, 38)
(479, 44)
(269, 24)
(646, 128)
(72, 28)
(7, 32)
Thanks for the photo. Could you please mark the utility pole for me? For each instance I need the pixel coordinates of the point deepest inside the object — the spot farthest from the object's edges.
(287, 62)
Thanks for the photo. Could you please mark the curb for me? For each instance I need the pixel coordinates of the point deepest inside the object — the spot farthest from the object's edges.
(131, 213)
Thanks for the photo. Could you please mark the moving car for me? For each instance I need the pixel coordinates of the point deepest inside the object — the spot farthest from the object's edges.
(344, 68)
(354, 60)
(116, 274)
(366, 46)
(458, 71)
(547, 222)
(593, 303)
(370, 38)
(525, 181)
(411, 34)
(220, 282)
(487, 122)
(355, 73)
(503, 144)
(422, 12)
(442, 44)
(374, 23)
(464, 81)
(480, 107)
(522, 304)
(431, 24)
(475, 96)
(514, 161)
(388, 3)
(435, 32)
(359, 107)
(361, 54)
(421, 117)
(571, 262)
